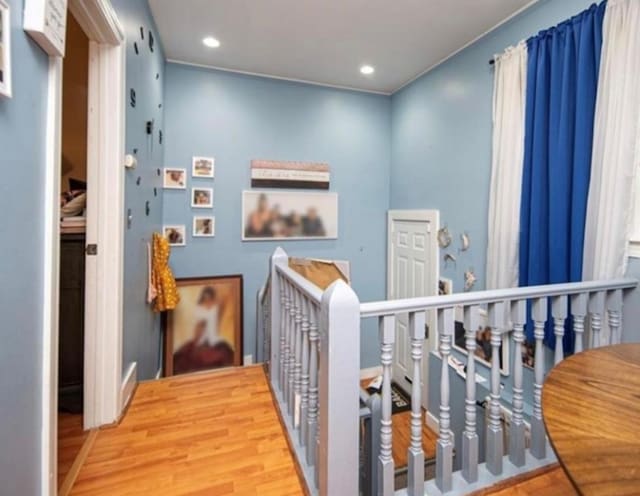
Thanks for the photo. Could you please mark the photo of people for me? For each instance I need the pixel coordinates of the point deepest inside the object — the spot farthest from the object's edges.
(202, 197)
(175, 179)
(175, 234)
(1, 45)
(204, 226)
(204, 331)
(5, 50)
(287, 215)
(202, 167)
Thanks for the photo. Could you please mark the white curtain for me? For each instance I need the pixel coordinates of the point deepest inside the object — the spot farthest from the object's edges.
(616, 144)
(509, 103)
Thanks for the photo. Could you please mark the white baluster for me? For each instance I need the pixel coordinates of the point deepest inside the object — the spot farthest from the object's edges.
(312, 418)
(538, 436)
(614, 312)
(444, 447)
(596, 309)
(291, 368)
(494, 448)
(517, 431)
(559, 314)
(470, 435)
(579, 312)
(415, 455)
(278, 258)
(297, 367)
(304, 376)
(387, 330)
(287, 344)
(284, 319)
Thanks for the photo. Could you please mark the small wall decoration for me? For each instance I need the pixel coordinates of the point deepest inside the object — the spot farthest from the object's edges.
(175, 179)
(279, 215)
(176, 234)
(465, 241)
(46, 23)
(202, 197)
(301, 175)
(445, 286)
(203, 167)
(469, 279)
(204, 227)
(5, 49)
(444, 237)
(205, 329)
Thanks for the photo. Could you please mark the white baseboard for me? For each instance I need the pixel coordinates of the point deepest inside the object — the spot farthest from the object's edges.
(159, 373)
(128, 385)
(371, 372)
(433, 422)
(248, 360)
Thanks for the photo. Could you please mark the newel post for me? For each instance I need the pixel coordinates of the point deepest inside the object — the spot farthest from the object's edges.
(339, 391)
(278, 257)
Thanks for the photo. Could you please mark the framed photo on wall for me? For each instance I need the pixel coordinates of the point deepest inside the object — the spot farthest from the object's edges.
(203, 167)
(5, 49)
(176, 234)
(174, 178)
(205, 330)
(204, 227)
(202, 197)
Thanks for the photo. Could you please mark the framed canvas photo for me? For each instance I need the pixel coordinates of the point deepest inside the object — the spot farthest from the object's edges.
(5, 49)
(175, 178)
(203, 167)
(205, 330)
(176, 234)
(277, 215)
(202, 197)
(204, 227)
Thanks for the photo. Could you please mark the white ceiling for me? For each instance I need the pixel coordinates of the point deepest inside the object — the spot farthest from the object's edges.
(326, 41)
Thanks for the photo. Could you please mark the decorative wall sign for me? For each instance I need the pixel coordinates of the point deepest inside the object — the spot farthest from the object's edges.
(46, 22)
(204, 227)
(270, 215)
(5, 49)
(301, 175)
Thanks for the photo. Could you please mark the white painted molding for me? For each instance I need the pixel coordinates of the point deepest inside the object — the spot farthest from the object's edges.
(128, 385)
(433, 422)
(247, 360)
(371, 372)
(98, 20)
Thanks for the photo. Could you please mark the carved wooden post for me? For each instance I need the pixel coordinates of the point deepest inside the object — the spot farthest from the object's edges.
(559, 313)
(415, 454)
(470, 435)
(517, 432)
(312, 418)
(277, 301)
(297, 367)
(538, 439)
(291, 367)
(579, 312)
(387, 331)
(339, 391)
(284, 322)
(287, 343)
(444, 447)
(596, 309)
(494, 448)
(304, 376)
(614, 312)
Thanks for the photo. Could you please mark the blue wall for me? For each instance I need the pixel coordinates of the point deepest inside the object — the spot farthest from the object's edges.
(441, 136)
(22, 161)
(145, 74)
(237, 118)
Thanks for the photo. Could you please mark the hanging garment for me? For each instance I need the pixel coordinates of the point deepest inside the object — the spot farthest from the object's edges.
(162, 279)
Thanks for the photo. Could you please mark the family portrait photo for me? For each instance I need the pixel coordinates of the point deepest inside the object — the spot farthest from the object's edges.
(205, 329)
(5, 50)
(289, 215)
(175, 179)
(176, 235)
(204, 226)
(203, 167)
(202, 197)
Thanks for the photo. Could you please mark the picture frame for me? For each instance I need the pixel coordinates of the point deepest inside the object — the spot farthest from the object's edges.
(289, 215)
(174, 178)
(204, 331)
(204, 227)
(176, 234)
(201, 197)
(5, 50)
(445, 286)
(203, 167)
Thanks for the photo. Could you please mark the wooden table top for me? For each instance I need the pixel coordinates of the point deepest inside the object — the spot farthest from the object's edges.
(591, 410)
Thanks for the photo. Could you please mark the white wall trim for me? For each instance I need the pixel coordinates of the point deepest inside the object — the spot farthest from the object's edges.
(433, 422)
(128, 385)
(371, 372)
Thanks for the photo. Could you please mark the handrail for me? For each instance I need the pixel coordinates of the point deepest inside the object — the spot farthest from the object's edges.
(391, 307)
(302, 283)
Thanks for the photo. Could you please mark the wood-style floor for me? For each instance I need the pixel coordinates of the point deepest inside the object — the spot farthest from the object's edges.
(71, 437)
(211, 434)
(549, 481)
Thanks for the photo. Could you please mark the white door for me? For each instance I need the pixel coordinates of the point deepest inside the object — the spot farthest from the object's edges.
(413, 272)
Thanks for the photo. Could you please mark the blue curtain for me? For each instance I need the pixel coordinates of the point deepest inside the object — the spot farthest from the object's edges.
(562, 81)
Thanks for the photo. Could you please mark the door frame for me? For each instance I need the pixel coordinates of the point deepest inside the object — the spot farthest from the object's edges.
(103, 281)
(433, 218)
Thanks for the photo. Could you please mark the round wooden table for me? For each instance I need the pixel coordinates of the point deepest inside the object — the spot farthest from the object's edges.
(591, 410)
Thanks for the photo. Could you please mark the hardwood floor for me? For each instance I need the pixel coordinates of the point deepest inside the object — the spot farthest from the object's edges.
(71, 438)
(213, 433)
(549, 481)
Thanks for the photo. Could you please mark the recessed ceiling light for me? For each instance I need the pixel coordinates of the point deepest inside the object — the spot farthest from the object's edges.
(211, 42)
(367, 70)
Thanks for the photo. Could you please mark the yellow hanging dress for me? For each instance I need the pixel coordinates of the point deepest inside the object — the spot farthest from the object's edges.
(162, 278)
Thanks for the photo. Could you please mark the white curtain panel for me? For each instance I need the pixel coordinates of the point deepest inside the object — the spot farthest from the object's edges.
(509, 102)
(616, 145)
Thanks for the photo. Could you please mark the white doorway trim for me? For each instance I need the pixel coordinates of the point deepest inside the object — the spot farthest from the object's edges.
(431, 218)
(105, 212)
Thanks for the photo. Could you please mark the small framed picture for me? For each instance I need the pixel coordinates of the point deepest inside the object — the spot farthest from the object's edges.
(175, 178)
(176, 234)
(202, 197)
(204, 227)
(5, 49)
(445, 286)
(203, 167)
